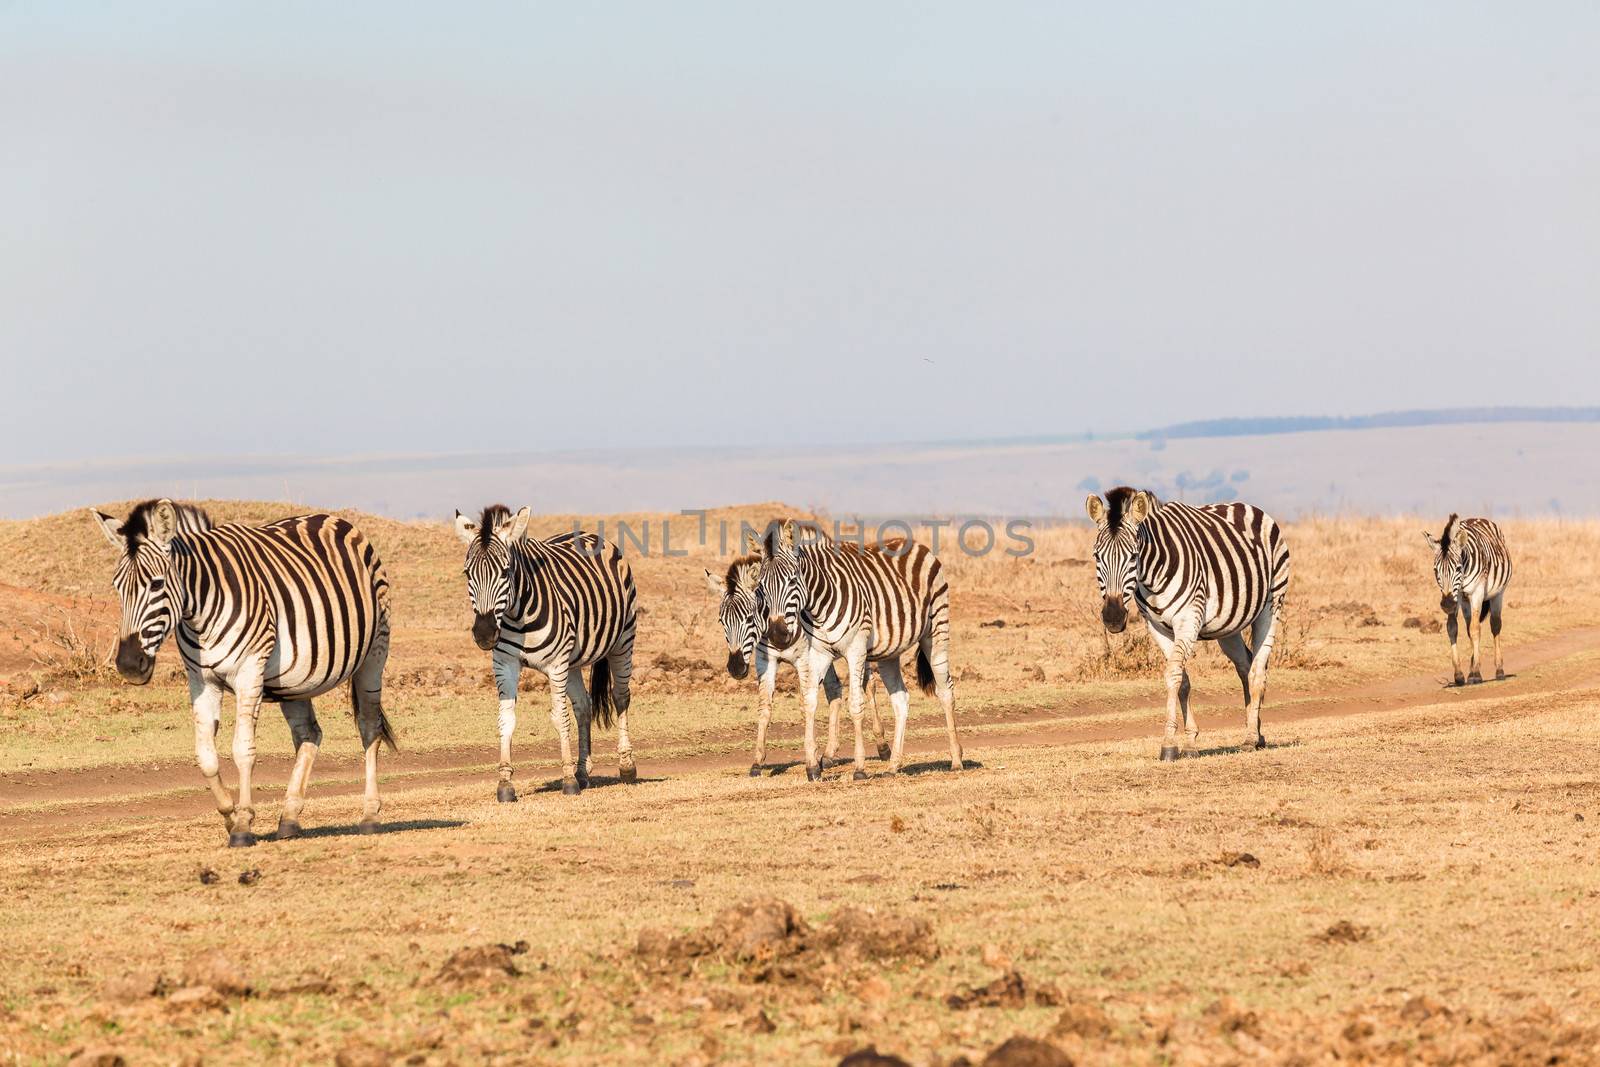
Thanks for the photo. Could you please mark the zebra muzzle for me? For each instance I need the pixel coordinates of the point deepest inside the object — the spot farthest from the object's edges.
(1447, 605)
(737, 667)
(132, 662)
(1114, 615)
(778, 635)
(484, 631)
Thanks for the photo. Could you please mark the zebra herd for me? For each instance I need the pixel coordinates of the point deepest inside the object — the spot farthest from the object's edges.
(289, 611)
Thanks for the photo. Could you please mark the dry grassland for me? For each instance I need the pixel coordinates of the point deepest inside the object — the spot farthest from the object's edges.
(1394, 880)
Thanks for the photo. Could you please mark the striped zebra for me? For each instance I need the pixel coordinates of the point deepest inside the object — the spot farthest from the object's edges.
(871, 605)
(1473, 568)
(1197, 574)
(279, 613)
(739, 612)
(556, 605)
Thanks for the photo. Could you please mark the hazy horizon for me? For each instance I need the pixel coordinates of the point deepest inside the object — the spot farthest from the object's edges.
(312, 230)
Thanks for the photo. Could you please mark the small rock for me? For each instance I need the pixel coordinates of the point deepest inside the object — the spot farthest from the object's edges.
(1238, 859)
(250, 877)
(97, 1056)
(216, 970)
(209, 877)
(1345, 932)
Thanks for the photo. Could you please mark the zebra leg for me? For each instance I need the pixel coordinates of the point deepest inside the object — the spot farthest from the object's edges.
(366, 689)
(1495, 604)
(1262, 632)
(766, 685)
(507, 670)
(247, 695)
(855, 658)
(561, 719)
(1452, 629)
(207, 700)
(583, 713)
(1176, 649)
(935, 648)
(1238, 652)
(1470, 612)
(833, 693)
(875, 686)
(815, 661)
(307, 736)
(621, 664)
(894, 683)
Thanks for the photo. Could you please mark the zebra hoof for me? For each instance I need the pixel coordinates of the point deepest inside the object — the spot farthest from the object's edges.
(505, 793)
(1474, 679)
(245, 840)
(1460, 680)
(570, 787)
(287, 829)
(367, 827)
(814, 773)
(630, 773)
(1261, 743)
(755, 770)
(860, 776)
(1499, 676)
(1169, 754)
(883, 751)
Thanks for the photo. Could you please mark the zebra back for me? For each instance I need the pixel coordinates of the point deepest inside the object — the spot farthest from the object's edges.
(1233, 554)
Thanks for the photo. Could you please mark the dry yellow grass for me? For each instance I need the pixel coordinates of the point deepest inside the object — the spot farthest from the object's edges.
(1407, 883)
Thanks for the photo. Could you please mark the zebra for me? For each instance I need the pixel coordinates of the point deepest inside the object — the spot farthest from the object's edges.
(1197, 574)
(739, 611)
(280, 613)
(869, 604)
(1473, 568)
(557, 605)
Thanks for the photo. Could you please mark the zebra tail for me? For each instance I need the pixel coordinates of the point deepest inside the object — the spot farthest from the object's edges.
(924, 673)
(1483, 612)
(385, 731)
(602, 707)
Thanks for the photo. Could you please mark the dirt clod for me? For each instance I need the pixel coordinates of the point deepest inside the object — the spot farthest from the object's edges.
(209, 877)
(765, 930)
(481, 963)
(1345, 932)
(359, 1053)
(250, 877)
(194, 998)
(1085, 1020)
(1238, 859)
(871, 1057)
(1420, 1009)
(1022, 1051)
(97, 1056)
(216, 970)
(135, 986)
(1010, 990)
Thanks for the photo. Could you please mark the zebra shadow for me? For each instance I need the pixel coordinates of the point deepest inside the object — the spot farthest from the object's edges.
(1449, 683)
(934, 766)
(353, 830)
(1236, 750)
(596, 781)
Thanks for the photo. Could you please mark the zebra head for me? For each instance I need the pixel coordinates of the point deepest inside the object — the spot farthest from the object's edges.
(1117, 521)
(145, 583)
(740, 610)
(1447, 564)
(488, 566)
(782, 593)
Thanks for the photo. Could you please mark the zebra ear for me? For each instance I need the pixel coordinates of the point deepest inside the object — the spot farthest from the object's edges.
(752, 544)
(747, 578)
(517, 527)
(466, 529)
(163, 524)
(1138, 508)
(110, 526)
(786, 536)
(1097, 509)
(713, 583)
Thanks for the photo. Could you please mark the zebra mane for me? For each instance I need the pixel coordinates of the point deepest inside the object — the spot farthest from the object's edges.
(1444, 538)
(1117, 501)
(731, 579)
(135, 529)
(492, 516)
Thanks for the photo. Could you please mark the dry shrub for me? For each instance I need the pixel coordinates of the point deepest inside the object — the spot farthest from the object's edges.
(66, 653)
(1131, 654)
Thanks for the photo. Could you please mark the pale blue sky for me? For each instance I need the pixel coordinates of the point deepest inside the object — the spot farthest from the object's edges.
(352, 228)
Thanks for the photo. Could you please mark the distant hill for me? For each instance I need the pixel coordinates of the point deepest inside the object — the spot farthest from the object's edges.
(1382, 421)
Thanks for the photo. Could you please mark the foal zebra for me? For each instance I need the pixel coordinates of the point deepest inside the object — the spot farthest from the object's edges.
(1196, 573)
(558, 606)
(869, 605)
(740, 614)
(1473, 568)
(279, 613)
